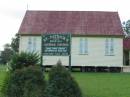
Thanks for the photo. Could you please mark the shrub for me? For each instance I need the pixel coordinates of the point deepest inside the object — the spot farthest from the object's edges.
(61, 83)
(24, 59)
(27, 82)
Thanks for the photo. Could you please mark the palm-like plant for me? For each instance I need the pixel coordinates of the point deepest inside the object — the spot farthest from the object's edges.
(24, 59)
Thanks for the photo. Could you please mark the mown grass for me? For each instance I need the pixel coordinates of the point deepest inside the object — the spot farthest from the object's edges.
(2, 77)
(96, 84)
(104, 84)
(2, 67)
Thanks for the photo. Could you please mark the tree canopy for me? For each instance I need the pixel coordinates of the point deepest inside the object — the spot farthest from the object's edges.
(126, 26)
(15, 43)
(6, 54)
(9, 50)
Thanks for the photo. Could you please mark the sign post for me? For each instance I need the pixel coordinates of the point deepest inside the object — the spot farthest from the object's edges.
(57, 45)
(41, 53)
(70, 55)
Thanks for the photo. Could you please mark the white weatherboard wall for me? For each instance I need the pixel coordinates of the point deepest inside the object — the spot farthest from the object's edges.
(95, 57)
(96, 53)
(52, 60)
(47, 60)
(24, 43)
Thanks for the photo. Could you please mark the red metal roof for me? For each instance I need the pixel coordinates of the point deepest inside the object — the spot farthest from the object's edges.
(126, 43)
(75, 22)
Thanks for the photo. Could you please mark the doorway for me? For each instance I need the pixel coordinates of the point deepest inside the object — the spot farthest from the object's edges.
(126, 58)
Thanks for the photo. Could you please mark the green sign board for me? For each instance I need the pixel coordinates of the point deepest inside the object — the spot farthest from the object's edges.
(56, 44)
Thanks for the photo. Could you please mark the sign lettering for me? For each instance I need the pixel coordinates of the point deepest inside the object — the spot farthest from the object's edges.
(56, 44)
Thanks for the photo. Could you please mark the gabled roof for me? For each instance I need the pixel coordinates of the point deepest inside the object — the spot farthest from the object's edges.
(75, 22)
(126, 43)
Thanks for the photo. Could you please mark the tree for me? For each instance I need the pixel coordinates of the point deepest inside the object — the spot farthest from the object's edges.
(61, 83)
(126, 26)
(9, 50)
(15, 43)
(6, 54)
(26, 82)
(6, 46)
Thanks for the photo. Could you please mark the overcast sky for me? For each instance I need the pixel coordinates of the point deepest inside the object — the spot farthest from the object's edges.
(13, 11)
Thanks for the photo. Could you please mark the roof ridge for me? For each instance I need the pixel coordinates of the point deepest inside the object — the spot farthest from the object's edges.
(70, 11)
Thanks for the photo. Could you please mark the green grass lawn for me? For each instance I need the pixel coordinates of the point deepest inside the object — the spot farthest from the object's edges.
(97, 84)
(104, 84)
(2, 76)
(2, 67)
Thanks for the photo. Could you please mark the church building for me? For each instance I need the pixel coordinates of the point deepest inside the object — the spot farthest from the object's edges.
(96, 37)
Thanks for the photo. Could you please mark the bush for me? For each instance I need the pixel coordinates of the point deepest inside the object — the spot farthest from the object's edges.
(27, 82)
(24, 59)
(61, 83)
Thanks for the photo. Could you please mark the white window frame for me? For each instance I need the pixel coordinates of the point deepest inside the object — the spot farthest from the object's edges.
(83, 47)
(109, 47)
(34, 43)
(31, 45)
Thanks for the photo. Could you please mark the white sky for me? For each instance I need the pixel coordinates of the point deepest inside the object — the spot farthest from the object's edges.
(12, 11)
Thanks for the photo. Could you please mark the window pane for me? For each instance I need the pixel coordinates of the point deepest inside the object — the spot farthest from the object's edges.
(81, 46)
(109, 46)
(106, 46)
(34, 44)
(86, 46)
(112, 47)
(29, 48)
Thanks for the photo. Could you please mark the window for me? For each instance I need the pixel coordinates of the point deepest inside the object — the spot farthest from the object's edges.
(34, 44)
(31, 44)
(29, 48)
(109, 46)
(83, 46)
(112, 46)
(86, 46)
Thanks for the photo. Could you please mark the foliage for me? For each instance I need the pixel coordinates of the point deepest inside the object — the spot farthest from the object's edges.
(6, 54)
(24, 59)
(9, 50)
(96, 84)
(126, 27)
(61, 83)
(26, 82)
(15, 43)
